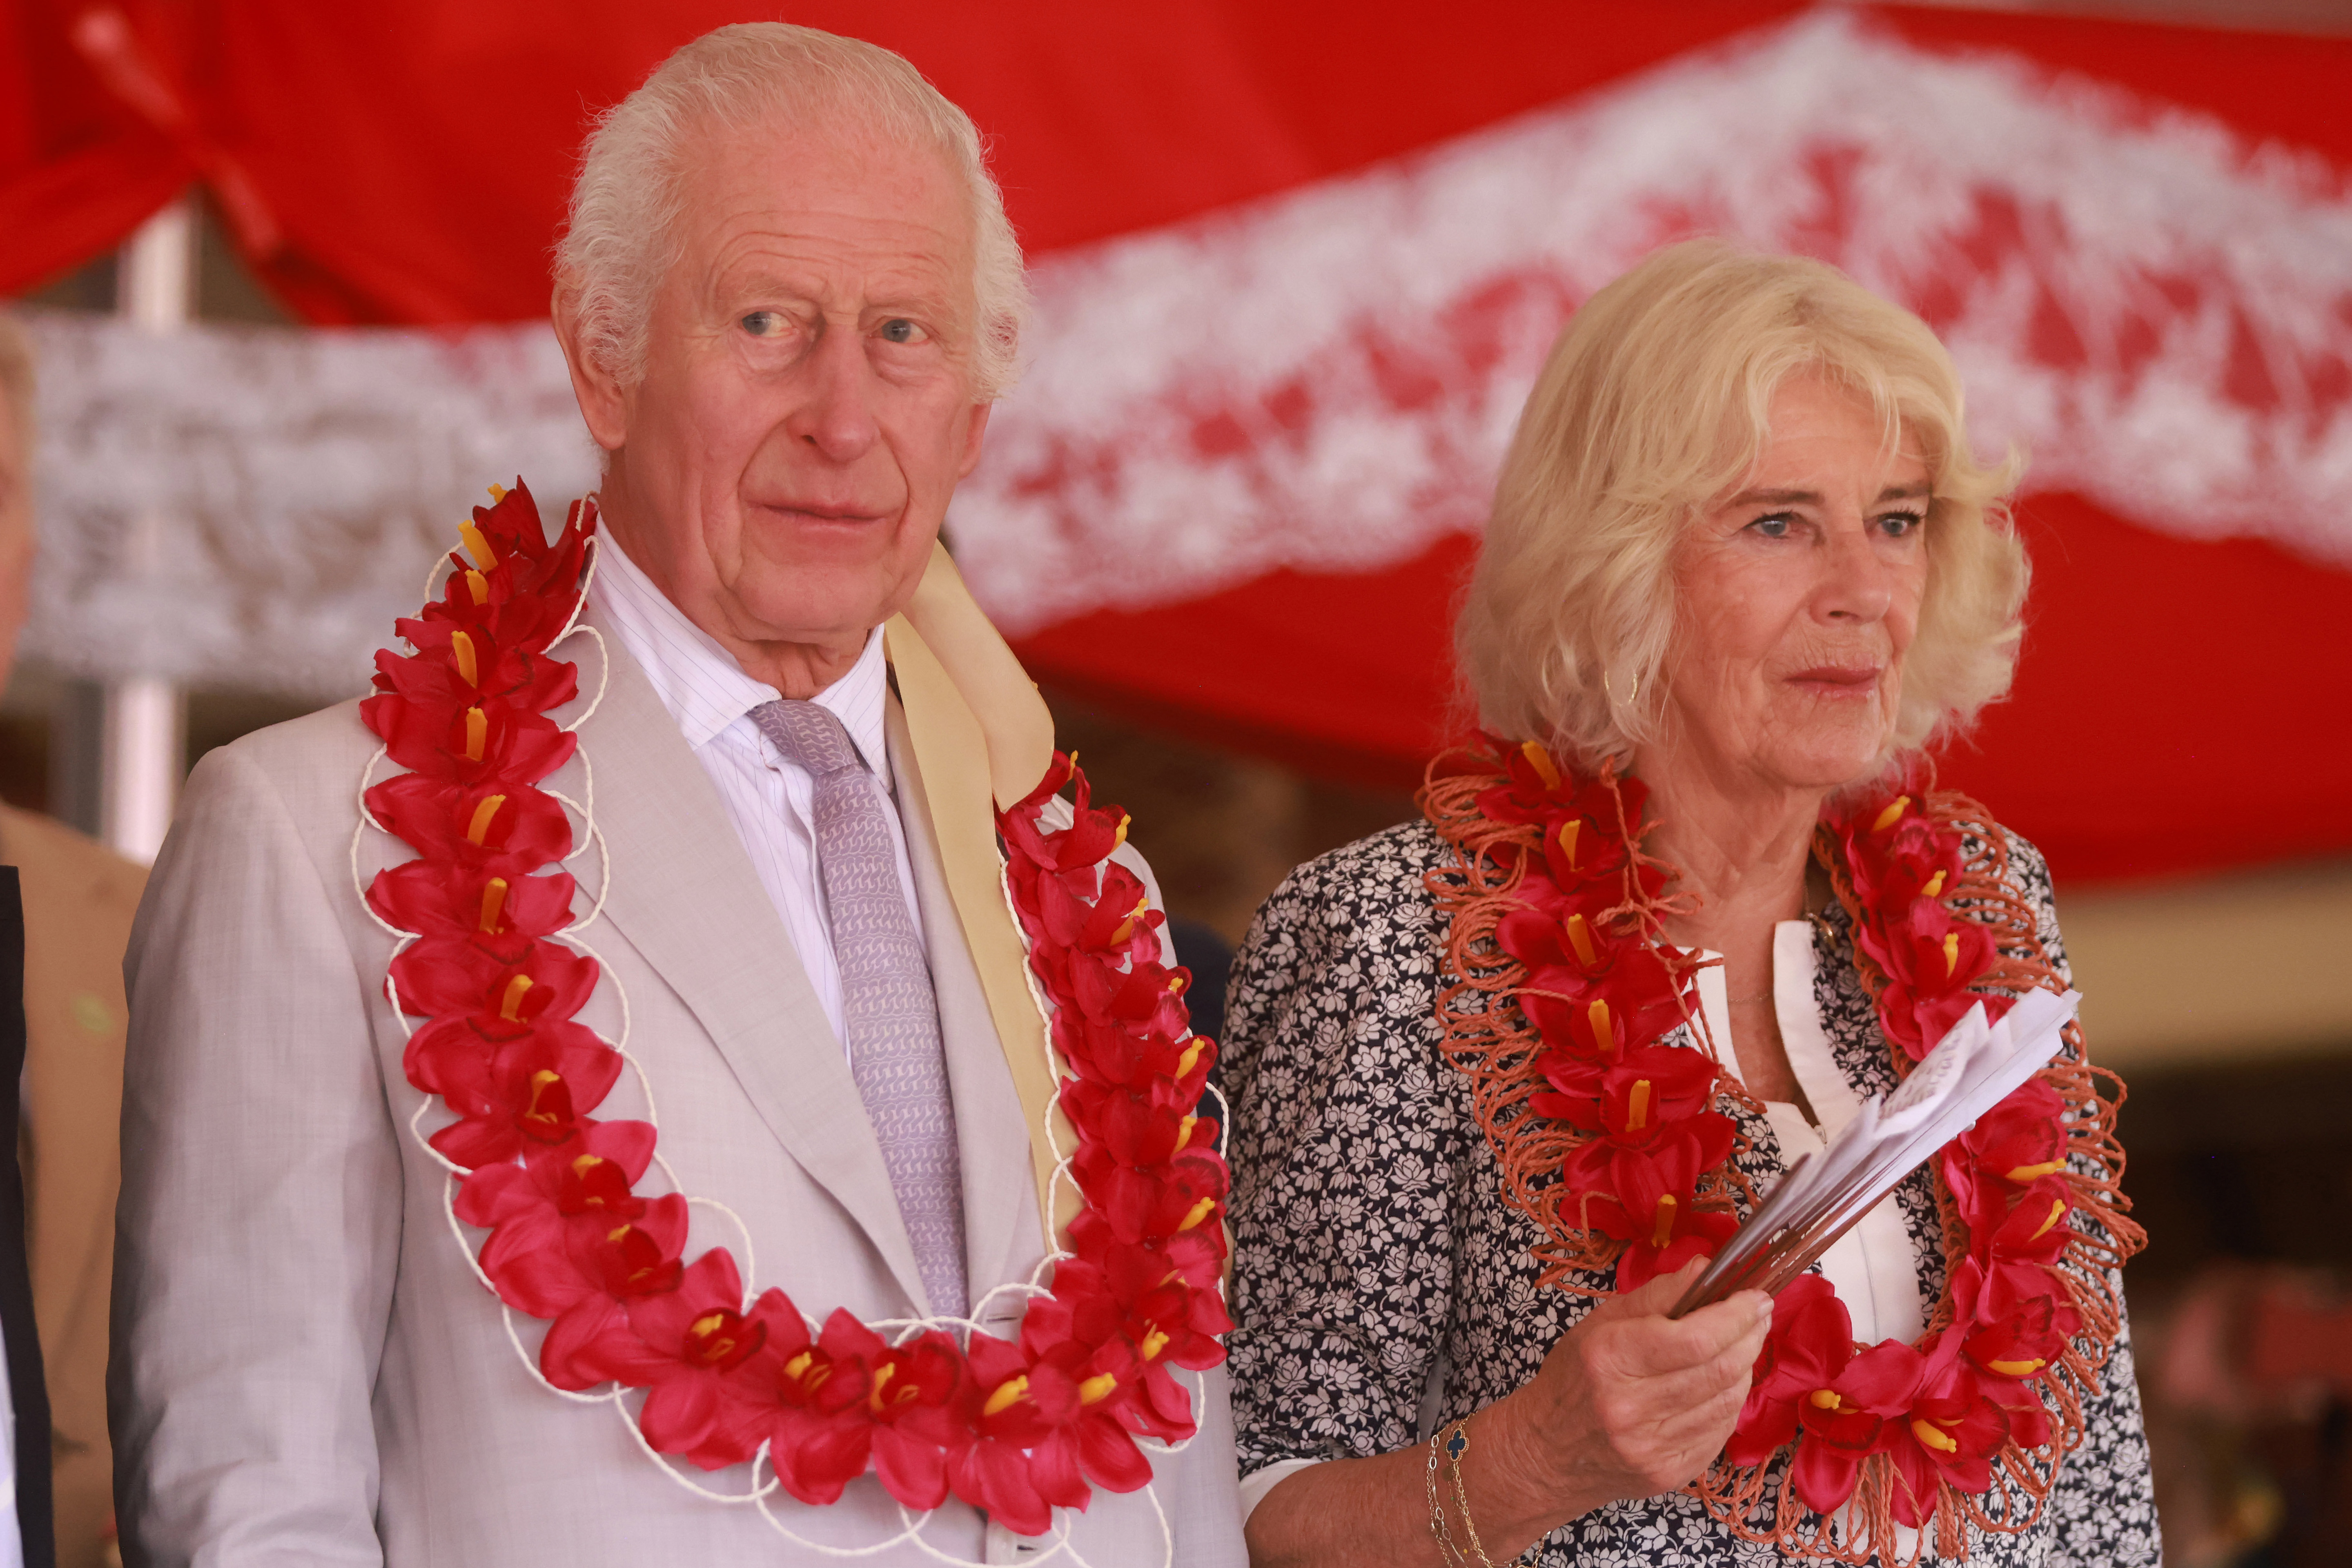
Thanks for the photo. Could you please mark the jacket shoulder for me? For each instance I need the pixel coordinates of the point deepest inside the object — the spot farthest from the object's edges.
(60, 864)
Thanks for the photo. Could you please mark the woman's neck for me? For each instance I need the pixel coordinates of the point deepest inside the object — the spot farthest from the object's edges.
(1742, 847)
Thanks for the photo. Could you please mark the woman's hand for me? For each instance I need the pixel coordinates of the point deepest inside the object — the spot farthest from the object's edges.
(1627, 1405)
(1630, 1403)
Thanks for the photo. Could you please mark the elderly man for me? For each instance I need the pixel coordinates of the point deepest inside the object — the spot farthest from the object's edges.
(788, 295)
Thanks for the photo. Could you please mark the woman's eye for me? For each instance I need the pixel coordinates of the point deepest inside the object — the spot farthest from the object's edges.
(1777, 526)
(902, 331)
(1902, 524)
(763, 324)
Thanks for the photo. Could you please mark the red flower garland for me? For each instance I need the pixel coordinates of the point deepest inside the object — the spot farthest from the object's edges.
(1017, 1428)
(1562, 919)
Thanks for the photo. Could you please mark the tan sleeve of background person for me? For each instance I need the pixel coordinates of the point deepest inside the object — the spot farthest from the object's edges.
(80, 899)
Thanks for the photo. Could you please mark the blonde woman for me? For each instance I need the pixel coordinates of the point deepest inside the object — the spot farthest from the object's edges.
(1504, 1077)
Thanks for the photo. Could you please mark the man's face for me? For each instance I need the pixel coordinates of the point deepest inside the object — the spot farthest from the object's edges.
(807, 406)
(15, 533)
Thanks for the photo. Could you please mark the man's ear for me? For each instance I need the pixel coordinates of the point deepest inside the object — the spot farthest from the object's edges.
(972, 438)
(602, 402)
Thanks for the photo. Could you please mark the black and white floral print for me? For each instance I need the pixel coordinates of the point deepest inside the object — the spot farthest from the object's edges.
(1381, 1285)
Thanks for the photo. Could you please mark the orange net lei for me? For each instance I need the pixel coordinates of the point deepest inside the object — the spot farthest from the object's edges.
(1556, 993)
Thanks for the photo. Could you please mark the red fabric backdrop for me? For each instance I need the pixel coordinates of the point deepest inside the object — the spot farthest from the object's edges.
(2182, 704)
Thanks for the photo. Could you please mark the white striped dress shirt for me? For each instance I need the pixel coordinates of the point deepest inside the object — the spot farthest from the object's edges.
(768, 798)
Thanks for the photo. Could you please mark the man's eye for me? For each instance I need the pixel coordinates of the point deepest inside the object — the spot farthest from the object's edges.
(763, 324)
(902, 331)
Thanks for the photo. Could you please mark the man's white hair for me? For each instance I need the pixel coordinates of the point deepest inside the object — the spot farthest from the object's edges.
(622, 237)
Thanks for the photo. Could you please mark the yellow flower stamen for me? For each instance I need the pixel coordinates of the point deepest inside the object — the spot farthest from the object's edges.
(493, 902)
(1198, 1212)
(479, 544)
(1568, 833)
(1125, 822)
(1184, 1063)
(1934, 887)
(498, 494)
(484, 815)
(2057, 1213)
(1185, 1133)
(1009, 1393)
(1153, 1343)
(1097, 1388)
(477, 733)
(2023, 1175)
(1825, 1399)
(461, 648)
(2017, 1368)
(882, 1376)
(541, 1082)
(1891, 814)
(1929, 1437)
(1637, 1106)
(1597, 1014)
(1541, 760)
(478, 586)
(1127, 927)
(511, 1006)
(1951, 952)
(1579, 937)
(1662, 1222)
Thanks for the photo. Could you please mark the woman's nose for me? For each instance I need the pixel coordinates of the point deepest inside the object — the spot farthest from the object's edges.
(1855, 585)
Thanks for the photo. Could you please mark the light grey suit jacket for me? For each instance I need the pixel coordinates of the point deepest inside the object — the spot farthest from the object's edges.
(306, 1370)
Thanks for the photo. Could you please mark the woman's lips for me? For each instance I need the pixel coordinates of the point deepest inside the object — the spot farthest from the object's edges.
(1838, 680)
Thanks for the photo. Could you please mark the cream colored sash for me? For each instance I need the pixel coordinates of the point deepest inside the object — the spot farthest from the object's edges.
(982, 735)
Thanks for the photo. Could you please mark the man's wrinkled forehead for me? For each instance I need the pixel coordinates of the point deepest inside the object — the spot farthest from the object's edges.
(760, 204)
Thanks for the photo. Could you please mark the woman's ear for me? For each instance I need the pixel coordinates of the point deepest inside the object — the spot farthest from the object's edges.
(603, 403)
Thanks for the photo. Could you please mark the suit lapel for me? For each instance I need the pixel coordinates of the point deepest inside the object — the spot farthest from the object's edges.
(999, 1211)
(684, 894)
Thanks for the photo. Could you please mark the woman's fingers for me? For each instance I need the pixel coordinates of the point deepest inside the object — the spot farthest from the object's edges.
(1652, 1345)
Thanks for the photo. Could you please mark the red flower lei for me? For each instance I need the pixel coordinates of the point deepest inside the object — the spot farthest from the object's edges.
(484, 911)
(1560, 990)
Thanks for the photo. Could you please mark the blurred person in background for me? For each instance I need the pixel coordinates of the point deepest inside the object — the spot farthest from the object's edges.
(789, 298)
(79, 898)
(1503, 1078)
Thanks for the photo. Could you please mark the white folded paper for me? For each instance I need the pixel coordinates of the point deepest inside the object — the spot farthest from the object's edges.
(1973, 1068)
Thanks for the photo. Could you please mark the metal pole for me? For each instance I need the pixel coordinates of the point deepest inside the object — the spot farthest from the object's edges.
(143, 726)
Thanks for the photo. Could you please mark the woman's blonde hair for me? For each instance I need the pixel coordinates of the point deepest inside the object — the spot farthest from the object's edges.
(1654, 403)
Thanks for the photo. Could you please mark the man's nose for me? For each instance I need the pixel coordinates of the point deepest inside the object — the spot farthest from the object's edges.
(837, 415)
(1856, 584)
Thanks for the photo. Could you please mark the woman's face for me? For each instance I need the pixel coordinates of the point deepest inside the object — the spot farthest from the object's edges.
(1797, 597)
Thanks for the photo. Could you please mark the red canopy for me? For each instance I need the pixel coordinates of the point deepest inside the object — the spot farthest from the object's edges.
(2182, 704)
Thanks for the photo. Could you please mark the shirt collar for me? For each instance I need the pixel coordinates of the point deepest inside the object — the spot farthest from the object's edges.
(698, 680)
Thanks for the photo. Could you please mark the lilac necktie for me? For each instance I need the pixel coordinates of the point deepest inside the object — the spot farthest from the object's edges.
(887, 1009)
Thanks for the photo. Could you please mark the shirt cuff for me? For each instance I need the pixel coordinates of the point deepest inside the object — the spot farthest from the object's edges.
(1257, 1483)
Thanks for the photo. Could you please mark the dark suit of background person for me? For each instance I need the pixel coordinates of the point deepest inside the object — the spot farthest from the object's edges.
(27, 1397)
